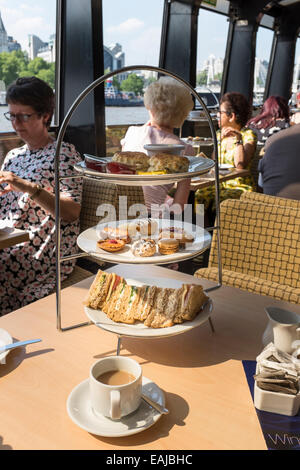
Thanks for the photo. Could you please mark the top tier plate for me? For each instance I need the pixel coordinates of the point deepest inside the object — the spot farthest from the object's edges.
(198, 166)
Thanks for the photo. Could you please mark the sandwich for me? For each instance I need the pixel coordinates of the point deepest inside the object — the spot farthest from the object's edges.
(156, 307)
(169, 163)
(101, 289)
(192, 298)
(162, 312)
(134, 160)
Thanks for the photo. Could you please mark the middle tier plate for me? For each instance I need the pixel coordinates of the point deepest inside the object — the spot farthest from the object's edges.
(87, 241)
(198, 166)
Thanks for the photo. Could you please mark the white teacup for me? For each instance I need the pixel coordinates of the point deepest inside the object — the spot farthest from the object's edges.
(115, 386)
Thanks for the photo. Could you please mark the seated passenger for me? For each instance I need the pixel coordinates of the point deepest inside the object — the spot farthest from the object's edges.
(236, 146)
(27, 199)
(168, 103)
(280, 165)
(274, 116)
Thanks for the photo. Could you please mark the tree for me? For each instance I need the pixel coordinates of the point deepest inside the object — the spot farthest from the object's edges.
(202, 77)
(16, 64)
(133, 83)
(116, 83)
(11, 65)
(38, 67)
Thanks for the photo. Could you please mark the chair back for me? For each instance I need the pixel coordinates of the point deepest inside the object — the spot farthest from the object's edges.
(253, 167)
(97, 197)
(259, 240)
(267, 199)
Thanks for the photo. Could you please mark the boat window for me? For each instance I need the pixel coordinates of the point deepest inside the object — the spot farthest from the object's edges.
(132, 32)
(27, 46)
(296, 77)
(210, 53)
(264, 41)
(131, 36)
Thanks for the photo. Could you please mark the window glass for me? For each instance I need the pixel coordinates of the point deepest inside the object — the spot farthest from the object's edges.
(212, 39)
(296, 78)
(131, 36)
(27, 44)
(264, 41)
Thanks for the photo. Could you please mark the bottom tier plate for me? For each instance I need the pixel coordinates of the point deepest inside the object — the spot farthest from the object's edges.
(139, 329)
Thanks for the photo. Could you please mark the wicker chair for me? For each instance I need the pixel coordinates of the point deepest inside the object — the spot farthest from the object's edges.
(95, 193)
(259, 247)
(266, 199)
(254, 165)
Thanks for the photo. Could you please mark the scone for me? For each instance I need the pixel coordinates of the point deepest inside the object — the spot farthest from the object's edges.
(135, 160)
(168, 162)
(111, 245)
(144, 247)
(168, 246)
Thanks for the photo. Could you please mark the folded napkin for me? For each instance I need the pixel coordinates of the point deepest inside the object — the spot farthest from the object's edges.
(277, 371)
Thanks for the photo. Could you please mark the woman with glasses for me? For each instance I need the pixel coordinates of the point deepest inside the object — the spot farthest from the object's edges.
(27, 199)
(236, 146)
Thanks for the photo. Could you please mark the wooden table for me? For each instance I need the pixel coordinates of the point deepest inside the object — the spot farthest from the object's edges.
(200, 372)
(12, 236)
(205, 180)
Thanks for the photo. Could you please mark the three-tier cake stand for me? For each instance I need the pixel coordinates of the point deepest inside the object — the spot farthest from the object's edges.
(60, 259)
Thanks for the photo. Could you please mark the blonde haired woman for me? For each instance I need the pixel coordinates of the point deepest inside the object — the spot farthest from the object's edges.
(168, 103)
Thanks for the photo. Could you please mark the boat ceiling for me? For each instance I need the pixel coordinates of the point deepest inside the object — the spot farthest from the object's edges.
(272, 9)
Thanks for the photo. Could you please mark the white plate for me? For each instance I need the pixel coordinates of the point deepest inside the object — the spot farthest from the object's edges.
(139, 329)
(198, 166)
(5, 338)
(80, 411)
(225, 166)
(87, 241)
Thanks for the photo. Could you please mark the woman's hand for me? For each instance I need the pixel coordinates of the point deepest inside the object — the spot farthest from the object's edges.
(69, 209)
(230, 132)
(15, 183)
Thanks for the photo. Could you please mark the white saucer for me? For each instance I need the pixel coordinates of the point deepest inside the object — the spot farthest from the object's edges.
(80, 411)
(5, 338)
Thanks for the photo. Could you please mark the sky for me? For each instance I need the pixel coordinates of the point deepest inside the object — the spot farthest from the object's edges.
(135, 24)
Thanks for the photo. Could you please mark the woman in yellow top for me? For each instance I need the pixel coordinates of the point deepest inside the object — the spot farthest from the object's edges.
(236, 146)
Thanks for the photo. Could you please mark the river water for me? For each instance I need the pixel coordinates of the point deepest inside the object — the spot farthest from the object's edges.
(113, 116)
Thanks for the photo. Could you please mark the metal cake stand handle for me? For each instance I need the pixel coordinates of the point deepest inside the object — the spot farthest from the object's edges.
(59, 141)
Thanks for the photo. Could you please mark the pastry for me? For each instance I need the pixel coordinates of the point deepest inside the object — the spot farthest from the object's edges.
(146, 226)
(113, 232)
(111, 245)
(135, 160)
(156, 307)
(168, 246)
(144, 247)
(170, 163)
(178, 233)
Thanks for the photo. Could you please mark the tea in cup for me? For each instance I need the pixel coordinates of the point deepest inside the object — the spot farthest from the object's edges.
(115, 386)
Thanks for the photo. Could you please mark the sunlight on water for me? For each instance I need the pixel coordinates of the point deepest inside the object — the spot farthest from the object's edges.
(113, 116)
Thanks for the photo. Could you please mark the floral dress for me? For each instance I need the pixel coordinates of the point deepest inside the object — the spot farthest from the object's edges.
(27, 270)
(264, 133)
(231, 189)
